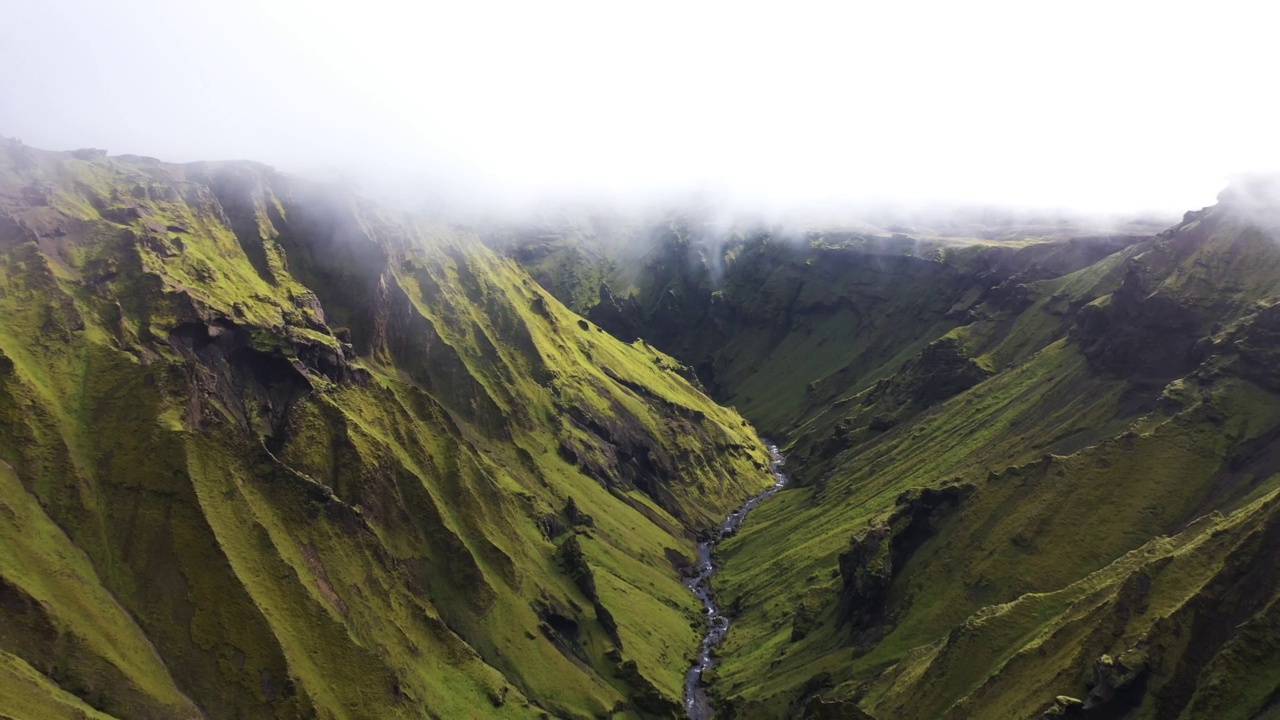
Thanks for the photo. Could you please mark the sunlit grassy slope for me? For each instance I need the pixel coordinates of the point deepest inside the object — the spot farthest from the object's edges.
(1032, 479)
(270, 451)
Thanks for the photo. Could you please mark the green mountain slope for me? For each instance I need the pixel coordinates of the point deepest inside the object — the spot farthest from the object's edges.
(1024, 471)
(1092, 518)
(269, 450)
(777, 323)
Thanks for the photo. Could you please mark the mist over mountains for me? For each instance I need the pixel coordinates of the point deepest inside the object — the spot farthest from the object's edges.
(1096, 108)
(439, 361)
(271, 449)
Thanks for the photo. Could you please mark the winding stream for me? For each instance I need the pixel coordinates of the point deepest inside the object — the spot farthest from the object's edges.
(695, 694)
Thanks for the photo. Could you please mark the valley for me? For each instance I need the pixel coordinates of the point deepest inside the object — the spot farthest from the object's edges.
(270, 449)
(695, 697)
(1031, 478)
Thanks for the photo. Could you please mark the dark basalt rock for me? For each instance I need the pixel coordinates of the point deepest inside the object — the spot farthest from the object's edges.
(681, 562)
(868, 567)
(1118, 686)
(257, 388)
(551, 526)
(622, 452)
(1142, 335)
(1112, 677)
(619, 318)
(1257, 345)
(941, 371)
(575, 565)
(577, 517)
(645, 695)
(605, 618)
(123, 215)
(560, 626)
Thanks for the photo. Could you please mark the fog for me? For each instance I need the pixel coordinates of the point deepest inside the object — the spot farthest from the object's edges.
(1095, 106)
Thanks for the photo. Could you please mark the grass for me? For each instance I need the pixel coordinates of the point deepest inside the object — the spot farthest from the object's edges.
(356, 504)
(1009, 601)
(369, 542)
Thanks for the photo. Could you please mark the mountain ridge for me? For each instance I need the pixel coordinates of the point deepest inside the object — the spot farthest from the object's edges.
(269, 449)
(318, 458)
(1040, 481)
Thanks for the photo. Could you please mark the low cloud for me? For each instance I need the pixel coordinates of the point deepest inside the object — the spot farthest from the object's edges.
(499, 108)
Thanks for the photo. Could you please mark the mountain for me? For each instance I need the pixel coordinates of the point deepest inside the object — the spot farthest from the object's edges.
(765, 315)
(1034, 477)
(268, 450)
(271, 450)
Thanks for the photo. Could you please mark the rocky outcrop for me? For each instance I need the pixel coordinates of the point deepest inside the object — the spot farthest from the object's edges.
(1116, 688)
(619, 317)
(644, 695)
(257, 388)
(942, 370)
(869, 566)
(1256, 344)
(1116, 682)
(1139, 333)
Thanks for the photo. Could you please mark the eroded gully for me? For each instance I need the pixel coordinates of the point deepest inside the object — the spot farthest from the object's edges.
(695, 695)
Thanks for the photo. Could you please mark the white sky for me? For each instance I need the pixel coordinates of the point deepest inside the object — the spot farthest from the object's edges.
(1093, 105)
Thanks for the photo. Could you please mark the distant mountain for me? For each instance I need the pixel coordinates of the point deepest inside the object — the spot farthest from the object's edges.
(268, 450)
(1036, 475)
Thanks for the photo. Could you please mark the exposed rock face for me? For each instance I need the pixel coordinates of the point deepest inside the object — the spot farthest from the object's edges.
(943, 371)
(575, 515)
(1140, 333)
(1112, 677)
(617, 317)
(258, 387)
(1257, 345)
(868, 568)
(644, 696)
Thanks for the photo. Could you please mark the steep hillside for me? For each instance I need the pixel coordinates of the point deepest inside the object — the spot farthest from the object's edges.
(1087, 508)
(1033, 478)
(776, 322)
(269, 451)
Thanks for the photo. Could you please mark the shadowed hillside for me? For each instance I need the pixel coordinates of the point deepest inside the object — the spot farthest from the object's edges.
(1033, 477)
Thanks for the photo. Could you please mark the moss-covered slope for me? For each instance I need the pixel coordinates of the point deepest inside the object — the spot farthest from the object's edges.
(268, 450)
(779, 323)
(1086, 509)
(1032, 477)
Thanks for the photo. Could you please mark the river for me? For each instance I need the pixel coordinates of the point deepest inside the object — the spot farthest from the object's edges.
(695, 694)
